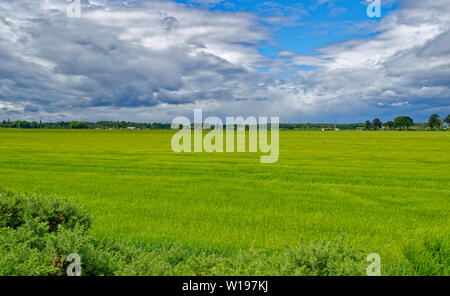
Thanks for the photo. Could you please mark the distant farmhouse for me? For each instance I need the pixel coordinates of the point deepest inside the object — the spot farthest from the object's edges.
(331, 129)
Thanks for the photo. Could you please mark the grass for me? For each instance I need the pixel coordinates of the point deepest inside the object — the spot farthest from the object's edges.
(383, 190)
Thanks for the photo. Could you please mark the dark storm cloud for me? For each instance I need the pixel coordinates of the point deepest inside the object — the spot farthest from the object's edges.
(138, 57)
(156, 60)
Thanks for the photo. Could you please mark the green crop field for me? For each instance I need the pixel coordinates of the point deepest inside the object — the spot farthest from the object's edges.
(382, 190)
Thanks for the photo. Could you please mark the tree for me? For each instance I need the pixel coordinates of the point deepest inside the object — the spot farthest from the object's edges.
(389, 124)
(367, 125)
(447, 120)
(403, 121)
(376, 123)
(434, 122)
(77, 125)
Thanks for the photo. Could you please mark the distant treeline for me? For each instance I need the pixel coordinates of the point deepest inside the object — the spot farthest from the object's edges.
(321, 126)
(127, 124)
(135, 125)
(82, 125)
(405, 122)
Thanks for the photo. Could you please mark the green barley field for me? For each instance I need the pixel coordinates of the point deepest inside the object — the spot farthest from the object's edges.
(382, 190)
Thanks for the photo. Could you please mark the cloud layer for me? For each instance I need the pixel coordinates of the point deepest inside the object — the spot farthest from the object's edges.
(153, 61)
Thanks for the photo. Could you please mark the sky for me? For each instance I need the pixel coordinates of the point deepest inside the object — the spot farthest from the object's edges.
(151, 61)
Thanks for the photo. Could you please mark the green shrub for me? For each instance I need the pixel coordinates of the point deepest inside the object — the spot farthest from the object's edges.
(15, 208)
(22, 250)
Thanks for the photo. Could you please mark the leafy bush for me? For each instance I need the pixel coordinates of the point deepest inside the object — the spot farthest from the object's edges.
(16, 208)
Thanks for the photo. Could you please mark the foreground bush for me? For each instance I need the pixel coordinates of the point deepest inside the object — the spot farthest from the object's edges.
(37, 234)
(16, 209)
